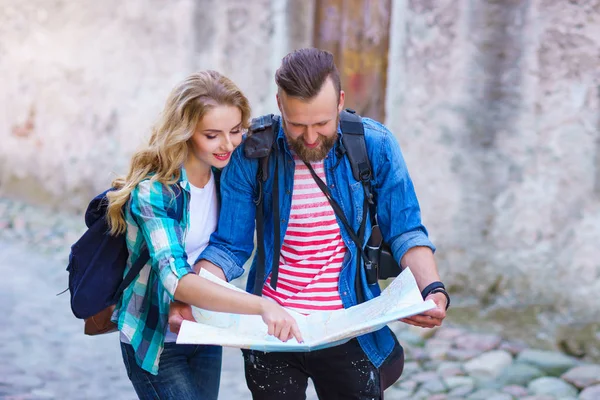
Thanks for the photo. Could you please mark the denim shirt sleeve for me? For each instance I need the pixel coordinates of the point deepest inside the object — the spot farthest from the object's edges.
(232, 243)
(398, 211)
(163, 235)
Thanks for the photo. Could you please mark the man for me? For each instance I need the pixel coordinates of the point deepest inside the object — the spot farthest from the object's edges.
(318, 261)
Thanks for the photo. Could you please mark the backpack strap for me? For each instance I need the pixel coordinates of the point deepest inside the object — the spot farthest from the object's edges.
(259, 144)
(144, 257)
(355, 147)
(353, 138)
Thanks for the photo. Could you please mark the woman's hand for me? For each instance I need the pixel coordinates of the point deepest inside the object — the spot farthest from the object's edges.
(281, 324)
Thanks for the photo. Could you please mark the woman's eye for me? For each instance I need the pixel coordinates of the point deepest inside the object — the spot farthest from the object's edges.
(236, 131)
(211, 137)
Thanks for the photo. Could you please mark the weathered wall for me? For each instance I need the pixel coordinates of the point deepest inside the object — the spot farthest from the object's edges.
(496, 105)
(82, 82)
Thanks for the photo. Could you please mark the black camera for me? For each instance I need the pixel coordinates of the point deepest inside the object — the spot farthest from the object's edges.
(381, 263)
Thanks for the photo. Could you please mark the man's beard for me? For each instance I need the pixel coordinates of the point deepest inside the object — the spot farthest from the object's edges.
(307, 154)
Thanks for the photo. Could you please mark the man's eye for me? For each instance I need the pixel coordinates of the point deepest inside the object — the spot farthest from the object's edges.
(322, 124)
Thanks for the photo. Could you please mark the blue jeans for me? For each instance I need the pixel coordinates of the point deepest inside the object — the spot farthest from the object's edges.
(185, 372)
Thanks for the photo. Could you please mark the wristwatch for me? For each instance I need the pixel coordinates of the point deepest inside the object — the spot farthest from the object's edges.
(436, 287)
(443, 291)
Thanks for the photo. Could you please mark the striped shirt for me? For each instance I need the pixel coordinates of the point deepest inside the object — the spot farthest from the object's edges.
(313, 250)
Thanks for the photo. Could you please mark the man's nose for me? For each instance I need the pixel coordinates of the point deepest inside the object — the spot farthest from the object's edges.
(311, 135)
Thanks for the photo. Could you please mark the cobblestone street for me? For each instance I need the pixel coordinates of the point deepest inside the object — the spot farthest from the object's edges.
(43, 351)
(45, 355)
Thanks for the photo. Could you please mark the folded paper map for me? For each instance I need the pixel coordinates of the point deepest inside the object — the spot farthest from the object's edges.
(321, 329)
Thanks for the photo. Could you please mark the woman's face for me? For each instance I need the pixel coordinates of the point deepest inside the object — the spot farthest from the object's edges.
(217, 134)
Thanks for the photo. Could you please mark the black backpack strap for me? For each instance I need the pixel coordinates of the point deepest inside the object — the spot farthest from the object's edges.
(137, 267)
(355, 147)
(276, 226)
(353, 138)
(261, 136)
(259, 144)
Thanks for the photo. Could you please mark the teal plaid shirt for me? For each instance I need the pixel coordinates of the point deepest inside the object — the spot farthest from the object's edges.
(142, 315)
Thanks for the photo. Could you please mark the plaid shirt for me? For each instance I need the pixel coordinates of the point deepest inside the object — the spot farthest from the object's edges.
(142, 315)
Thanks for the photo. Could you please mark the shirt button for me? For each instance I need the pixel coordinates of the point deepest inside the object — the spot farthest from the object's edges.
(332, 185)
(345, 293)
(288, 191)
(282, 219)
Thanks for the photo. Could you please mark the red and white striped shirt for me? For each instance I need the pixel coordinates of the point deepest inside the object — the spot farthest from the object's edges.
(313, 250)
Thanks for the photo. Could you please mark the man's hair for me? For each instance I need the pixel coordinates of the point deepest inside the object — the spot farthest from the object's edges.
(303, 72)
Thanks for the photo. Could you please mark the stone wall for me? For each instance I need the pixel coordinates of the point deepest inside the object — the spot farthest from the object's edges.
(495, 103)
(84, 81)
(496, 106)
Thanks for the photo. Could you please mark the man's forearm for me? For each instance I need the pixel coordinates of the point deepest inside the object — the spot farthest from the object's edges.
(422, 264)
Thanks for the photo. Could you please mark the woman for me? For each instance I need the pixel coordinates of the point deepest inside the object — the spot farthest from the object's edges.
(201, 124)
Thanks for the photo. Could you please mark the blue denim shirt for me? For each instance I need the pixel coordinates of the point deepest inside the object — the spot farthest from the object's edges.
(399, 215)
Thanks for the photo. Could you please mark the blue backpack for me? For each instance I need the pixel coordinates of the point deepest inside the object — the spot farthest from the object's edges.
(98, 259)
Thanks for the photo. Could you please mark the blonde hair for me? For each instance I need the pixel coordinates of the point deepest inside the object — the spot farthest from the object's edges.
(168, 146)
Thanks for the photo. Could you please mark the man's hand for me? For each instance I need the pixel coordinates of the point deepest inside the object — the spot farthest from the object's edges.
(178, 312)
(210, 267)
(431, 318)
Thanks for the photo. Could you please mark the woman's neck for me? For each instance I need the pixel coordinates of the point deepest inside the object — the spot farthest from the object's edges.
(198, 174)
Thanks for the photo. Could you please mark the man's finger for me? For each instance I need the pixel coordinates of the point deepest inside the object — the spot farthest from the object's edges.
(409, 322)
(417, 324)
(175, 323)
(188, 316)
(435, 313)
(426, 319)
(422, 321)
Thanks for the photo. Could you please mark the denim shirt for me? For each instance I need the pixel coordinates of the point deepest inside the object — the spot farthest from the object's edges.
(399, 215)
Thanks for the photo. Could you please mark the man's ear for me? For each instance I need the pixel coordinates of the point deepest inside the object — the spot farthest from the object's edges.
(279, 103)
(341, 103)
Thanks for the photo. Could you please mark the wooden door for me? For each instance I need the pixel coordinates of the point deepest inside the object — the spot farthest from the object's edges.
(357, 33)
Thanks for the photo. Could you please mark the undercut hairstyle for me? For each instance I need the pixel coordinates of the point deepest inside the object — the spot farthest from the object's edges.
(303, 72)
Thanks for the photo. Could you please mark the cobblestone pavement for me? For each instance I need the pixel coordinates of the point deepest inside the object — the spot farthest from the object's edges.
(43, 351)
(45, 355)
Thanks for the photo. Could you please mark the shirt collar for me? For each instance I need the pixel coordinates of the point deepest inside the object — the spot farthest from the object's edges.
(183, 179)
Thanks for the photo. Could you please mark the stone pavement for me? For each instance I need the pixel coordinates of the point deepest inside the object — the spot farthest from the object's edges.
(45, 355)
(43, 351)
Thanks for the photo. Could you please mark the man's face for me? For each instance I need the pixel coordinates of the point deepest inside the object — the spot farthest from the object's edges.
(311, 125)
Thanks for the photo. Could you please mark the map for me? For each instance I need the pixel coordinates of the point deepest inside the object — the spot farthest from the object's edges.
(400, 299)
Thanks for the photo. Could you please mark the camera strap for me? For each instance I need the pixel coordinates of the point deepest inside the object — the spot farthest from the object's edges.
(340, 214)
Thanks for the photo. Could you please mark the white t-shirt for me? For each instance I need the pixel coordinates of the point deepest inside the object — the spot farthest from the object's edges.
(202, 223)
